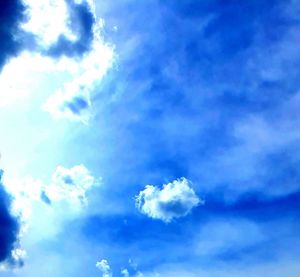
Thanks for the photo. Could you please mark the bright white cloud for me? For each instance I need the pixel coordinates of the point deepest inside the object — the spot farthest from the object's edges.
(174, 200)
(134, 272)
(29, 73)
(104, 268)
(42, 22)
(70, 184)
(16, 78)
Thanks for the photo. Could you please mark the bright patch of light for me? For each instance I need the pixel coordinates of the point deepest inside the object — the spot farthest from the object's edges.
(16, 78)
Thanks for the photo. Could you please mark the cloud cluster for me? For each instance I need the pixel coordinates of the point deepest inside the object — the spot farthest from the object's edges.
(77, 37)
(9, 231)
(174, 200)
(104, 268)
(71, 45)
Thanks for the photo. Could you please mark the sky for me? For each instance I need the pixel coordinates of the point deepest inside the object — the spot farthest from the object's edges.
(153, 138)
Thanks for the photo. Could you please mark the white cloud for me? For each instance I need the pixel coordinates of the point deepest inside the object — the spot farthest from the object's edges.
(29, 74)
(175, 199)
(16, 78)
(125, 272)
(104, 267)
(42, 24)
(70, 184)
(72, 79)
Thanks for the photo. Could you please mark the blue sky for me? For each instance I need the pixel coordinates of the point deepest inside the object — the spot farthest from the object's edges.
(150, 138)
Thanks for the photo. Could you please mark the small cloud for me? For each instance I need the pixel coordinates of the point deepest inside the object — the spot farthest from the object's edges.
(174, 200)
(125, 272)
(104, 268)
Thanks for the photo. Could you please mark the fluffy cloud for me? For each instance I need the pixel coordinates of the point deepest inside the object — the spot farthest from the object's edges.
(125, 272)
(174, 200)
(10, 255)
(41, 24)
(104, 267)
(68, 185)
